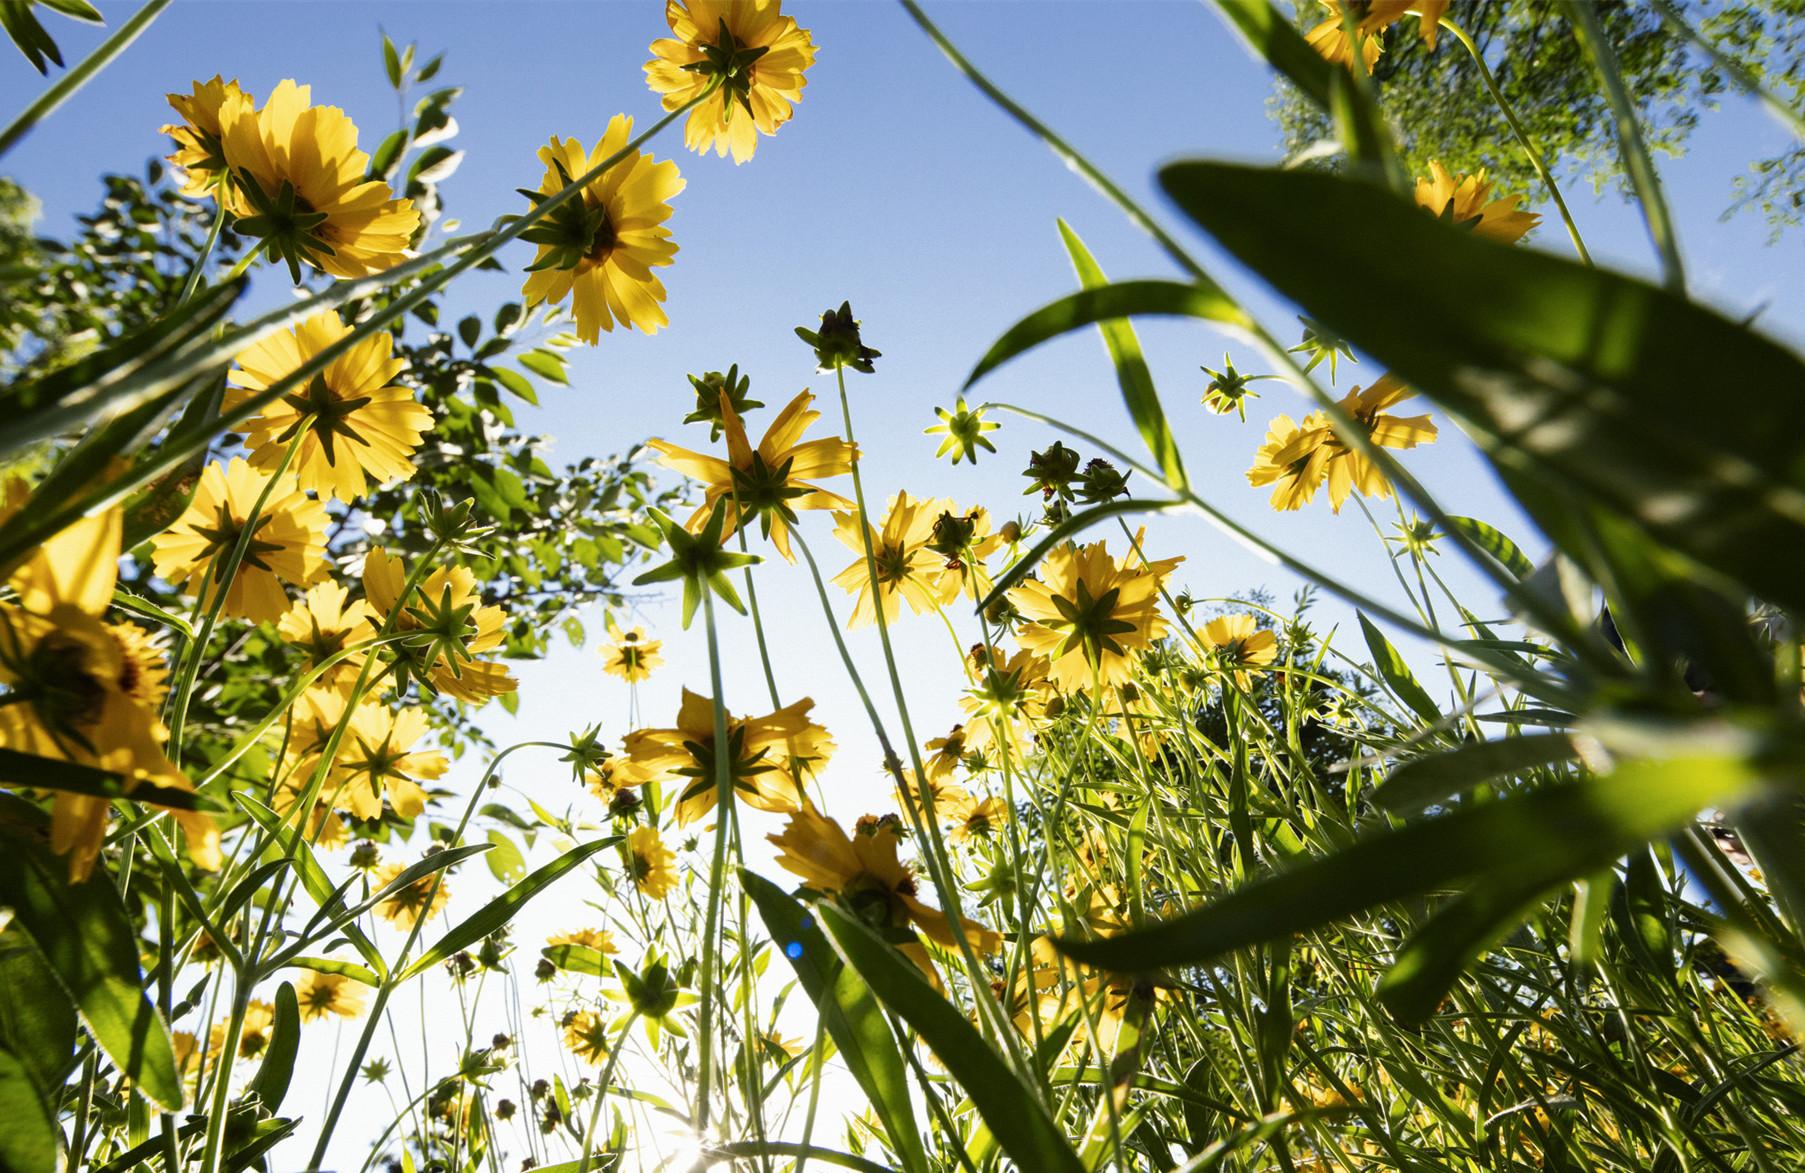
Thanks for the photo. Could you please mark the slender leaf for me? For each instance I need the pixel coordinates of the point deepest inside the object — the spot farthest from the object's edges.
(23, 769)
(1493, 542)
(313, 877)
(1419, 782)
(1397, 674)
(270, 1084)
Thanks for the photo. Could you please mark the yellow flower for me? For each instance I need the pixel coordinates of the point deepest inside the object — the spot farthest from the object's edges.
(631, 656)
(377, 759)
(1294, 459)
(253, 1036)
(408, 906)
(906, 567)
(446, 604)
(288, 542)
(1086, 602)
(945, 755)
(1239, 644)
(864, 872)
(586, 1036)
(770, 482)
(601, 940)
(359, 426)
(322, 624)
(321, 994)
(299, 183)
(968, 817)
(1372, 17)
(650, 864)
(83, 691)
(771, 757)
(1348, 470)
(600, 248)
(1014, 692)
(199, 157)
(755, 98)
(1461, 200)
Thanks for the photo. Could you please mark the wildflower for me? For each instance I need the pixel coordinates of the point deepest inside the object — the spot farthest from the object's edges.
(964, 431)
(654, 995)
(1330, 38)
(1349, 470)
(1319, 342)
(969, 817)
(1085, 601)
(300, 185)
(1461, 201)
(1101, 482)
(759, 55)
(416, 901)
(1294, 459)
(200, 158)
(965, 542)
(1012, 695)
(321, 624)
(945, 754)
(1238, 643)
(84, 691)
(699, 561)
(713, 390)
(378, 760)
(357, 425)
(600, 248)
(863, 871)
(1416, 537)
(455, 625)
(601, 940)
(838, 343)
(769, 756)
(1051, 472)
(631, 656)
(586, 1036)
(287, 542)
(906, 568)
(253, 1036)
(650, 864)
(1228, 389)
(770, 482)
(321, 994)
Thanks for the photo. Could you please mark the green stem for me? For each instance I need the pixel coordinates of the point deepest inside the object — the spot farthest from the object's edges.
(717, 872)
(81, 75)
(200, 262)
(601, 1091)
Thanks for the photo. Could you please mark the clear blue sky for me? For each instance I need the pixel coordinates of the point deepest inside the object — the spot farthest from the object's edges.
(896, 186)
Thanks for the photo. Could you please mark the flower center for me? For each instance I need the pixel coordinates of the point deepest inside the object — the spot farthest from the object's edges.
(325, 414)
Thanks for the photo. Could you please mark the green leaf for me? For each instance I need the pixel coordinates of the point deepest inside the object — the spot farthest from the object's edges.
(579, 959)
(546, 365)
(1138, 391)
(28, 1133)
(1014, 1113)
(1397, 674)
(350, 969)
(1493, 542)
(435, 165)
(1422, 781)
(270, 1084)
(1552, 835)
(1104, 303)
(1272, 37)
(852, 1016)
(37, 1020)
(505, 862)
(388, 155)
(1571, 375)
(391, 61)
(313, 877)
(23, 769)
(501, 910)
(88, 942)
(1461, 929)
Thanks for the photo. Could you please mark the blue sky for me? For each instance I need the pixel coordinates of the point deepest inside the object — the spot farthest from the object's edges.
(896, 186)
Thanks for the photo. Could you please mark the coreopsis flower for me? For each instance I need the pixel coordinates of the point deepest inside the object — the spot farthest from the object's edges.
(712, 390)
(770, 482)
(447, 606)
(407, 906)
(1088, 613)
(1056, 990)
(1348, 470)
(759, 56)
(253, 1036)
(320, 994)
(300, 185)
(586, 1036)
(770, 757)
(358, 426)
(1462, 201)
(650, 864)
(1228, 389)
(964, 543)
(945, 755)
(964, 431)
(378, 760)
(968, 817)
(1294, 460)
(599, 248)
(838, 342)
(321, 624)
(1372, 17)
(1239, 644)
(1010, 700)
(287, 542)
(906, 567)
(200, 158)
(601, 940)
(630, 655)
(862, 870)
(81, 690)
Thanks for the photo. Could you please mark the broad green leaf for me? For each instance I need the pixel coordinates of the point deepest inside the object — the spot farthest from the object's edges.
(853, 1018)
(1555, 834)
(350, 969)
(37, 1020)
(1574, 375)
(1014, 1113)
(88, 942)
(1422, 781)
(518, 383)
(23, 769)
(270, 1084)
(313, 877)
(28, 1133)
(1493, 542)
(501, 910)
(1106, 303)
(1397, 674)
(505, 862)
(546, 365)
(1124, 348)
(579, 959)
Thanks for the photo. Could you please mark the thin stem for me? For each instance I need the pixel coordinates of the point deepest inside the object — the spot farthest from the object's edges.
(717, 873)
(81, 75)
